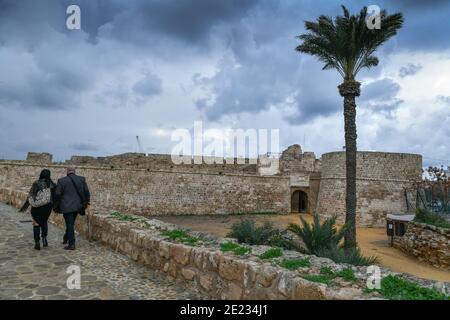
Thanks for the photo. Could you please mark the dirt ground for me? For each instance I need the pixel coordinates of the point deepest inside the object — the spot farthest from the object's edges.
(372, 241)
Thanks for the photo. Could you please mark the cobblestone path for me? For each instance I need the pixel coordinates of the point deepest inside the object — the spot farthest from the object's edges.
(26, 273)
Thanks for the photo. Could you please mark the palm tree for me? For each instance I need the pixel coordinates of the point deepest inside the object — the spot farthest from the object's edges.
(347, 44)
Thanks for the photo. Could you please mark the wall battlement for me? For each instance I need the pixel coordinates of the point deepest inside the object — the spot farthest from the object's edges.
(37, 157)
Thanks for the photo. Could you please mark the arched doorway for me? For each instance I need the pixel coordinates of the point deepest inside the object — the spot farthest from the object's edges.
(299, 201)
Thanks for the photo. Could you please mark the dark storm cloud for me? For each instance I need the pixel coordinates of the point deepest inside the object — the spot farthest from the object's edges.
(383, 89)
(420, 5)
(189, 22)
(48, 84)
(409, 70)
(426, 24)
(244, 47)
(149, 85)
(443, 99)
(263, 79)
(84, 146)
(381, 96)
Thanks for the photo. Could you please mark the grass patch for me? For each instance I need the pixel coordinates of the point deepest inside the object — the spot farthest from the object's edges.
(271, 253)
(294, 264)
(347, 274)
(241, 250)
(321, 278)
(431, 218)
(396, 288)
(235, 248)
(327, 275)
(181, 236)
(123, 217)
(228, 246)
(326, 270)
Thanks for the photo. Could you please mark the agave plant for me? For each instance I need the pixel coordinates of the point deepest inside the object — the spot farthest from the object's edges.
(317, 236)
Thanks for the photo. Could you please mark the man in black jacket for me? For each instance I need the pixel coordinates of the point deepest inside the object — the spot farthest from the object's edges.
(73, 194)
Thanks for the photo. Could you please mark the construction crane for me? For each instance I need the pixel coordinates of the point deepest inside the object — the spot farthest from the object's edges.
(139, 146)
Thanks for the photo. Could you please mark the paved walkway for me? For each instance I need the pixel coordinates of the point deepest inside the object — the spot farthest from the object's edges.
(26, 273)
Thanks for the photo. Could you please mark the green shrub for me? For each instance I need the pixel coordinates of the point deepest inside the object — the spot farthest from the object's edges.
(321, 278)
(326, 270)
(277, 240)
(351, 256)
(431, 218)
(181, 236)
(327, 275)
(347, 274)
(396, 288)
(235, 248)
(123, 217)
(246, 231)
(228, 246)
(175, 234)
(317, 236)
(294, 264)
(271, 253)
(241, 250)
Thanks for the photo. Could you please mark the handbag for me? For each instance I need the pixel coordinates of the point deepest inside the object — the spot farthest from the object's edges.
(84, 202)
(43, 197)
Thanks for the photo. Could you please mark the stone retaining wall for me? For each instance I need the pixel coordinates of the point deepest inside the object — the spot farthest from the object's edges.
(427, 243)
(215, 274)
(208, 270)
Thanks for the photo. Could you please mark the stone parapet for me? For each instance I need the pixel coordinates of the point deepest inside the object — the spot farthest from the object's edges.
(427, 243)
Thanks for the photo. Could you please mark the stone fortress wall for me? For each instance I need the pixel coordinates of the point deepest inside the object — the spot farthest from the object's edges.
(146, 192)
(154, 185)
(384, 183)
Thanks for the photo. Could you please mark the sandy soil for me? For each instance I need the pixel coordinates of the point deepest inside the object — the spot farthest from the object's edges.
(372, 241)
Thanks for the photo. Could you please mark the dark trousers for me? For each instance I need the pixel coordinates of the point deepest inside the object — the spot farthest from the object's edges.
(69, 236)
(40, 216)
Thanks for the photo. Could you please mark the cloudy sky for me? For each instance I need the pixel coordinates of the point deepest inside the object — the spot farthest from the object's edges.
(149, 67)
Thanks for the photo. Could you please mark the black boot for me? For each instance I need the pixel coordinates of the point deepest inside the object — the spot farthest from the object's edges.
(44, 241)
(37, 239)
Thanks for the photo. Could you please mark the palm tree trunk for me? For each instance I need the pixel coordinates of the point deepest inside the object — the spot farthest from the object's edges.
(349, 90)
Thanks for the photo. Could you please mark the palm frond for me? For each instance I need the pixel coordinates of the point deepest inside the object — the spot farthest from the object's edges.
(345, 43)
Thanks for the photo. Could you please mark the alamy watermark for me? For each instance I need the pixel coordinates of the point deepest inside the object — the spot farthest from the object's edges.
(73, 21)
(74, 279)
(373, 277)
(373, 19)
(212, 146)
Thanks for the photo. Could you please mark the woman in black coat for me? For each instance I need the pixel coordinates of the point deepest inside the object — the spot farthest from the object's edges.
(41, 198)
